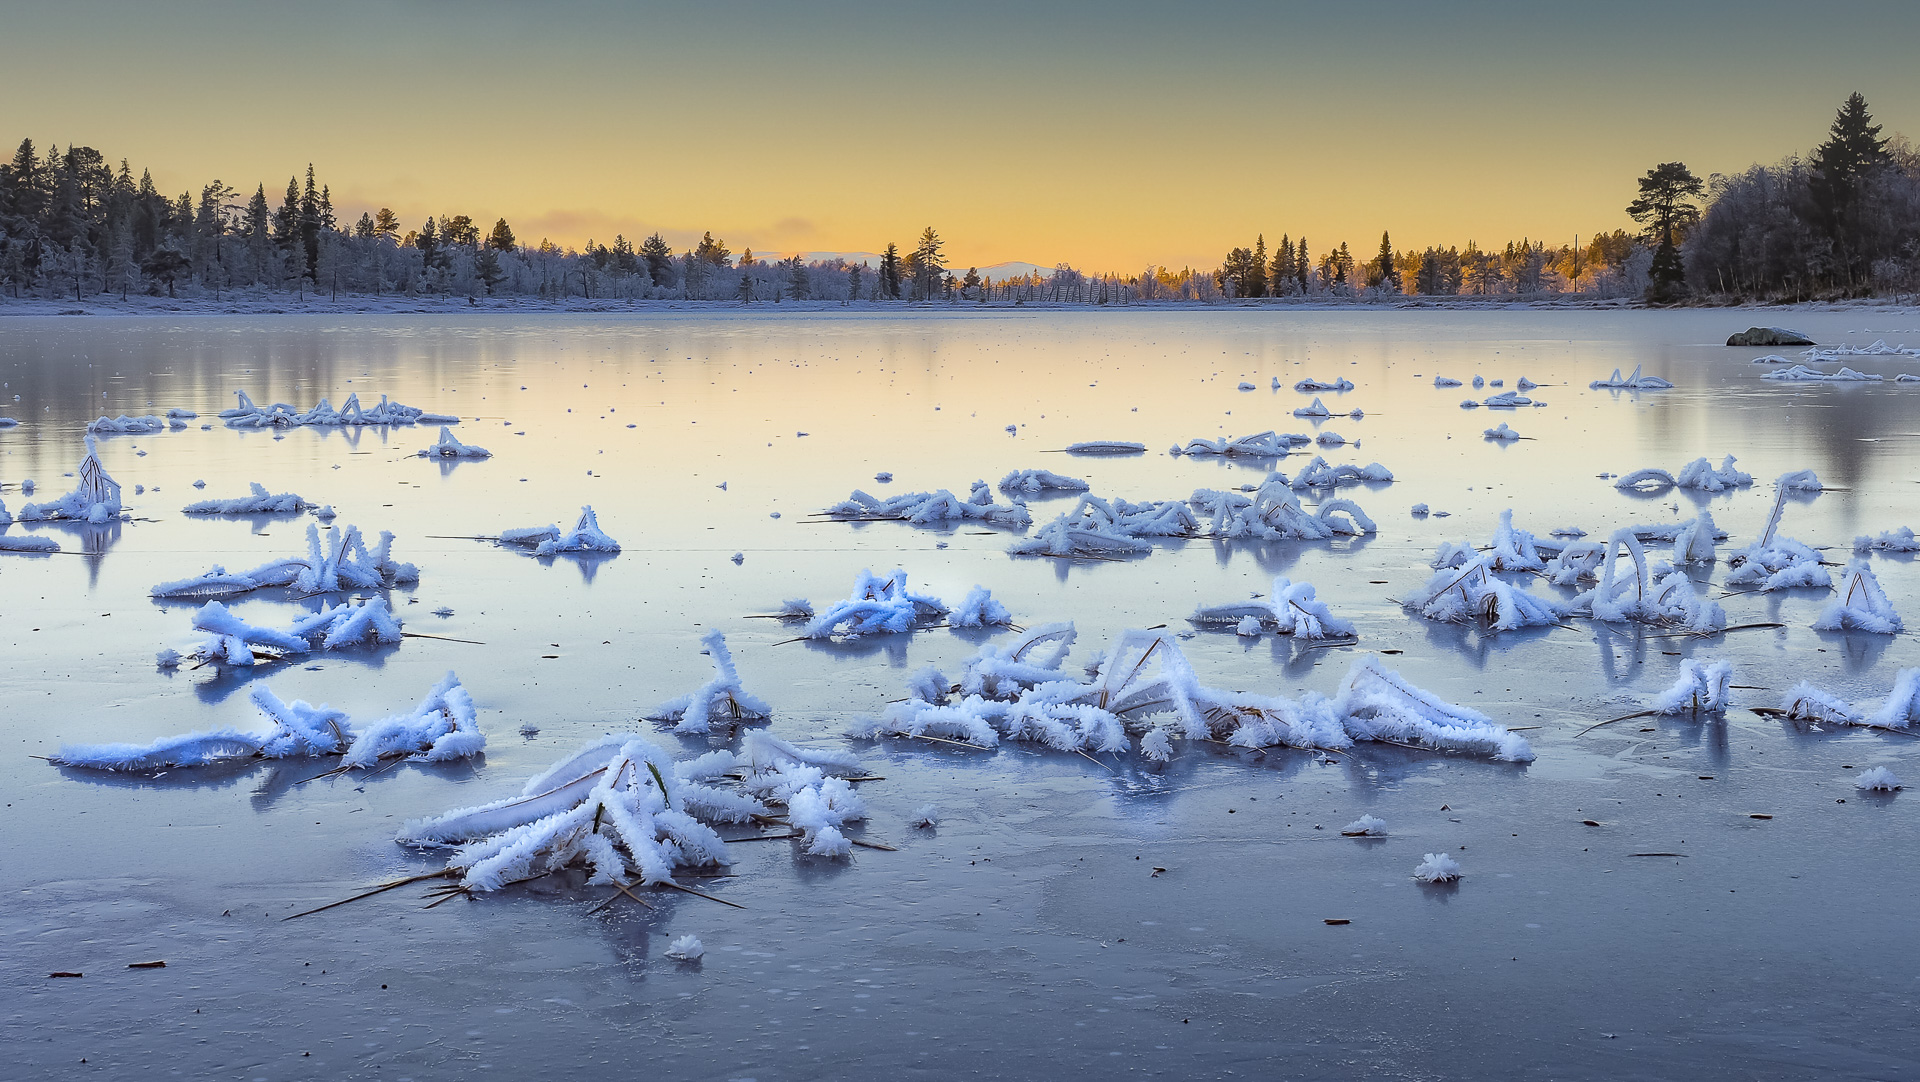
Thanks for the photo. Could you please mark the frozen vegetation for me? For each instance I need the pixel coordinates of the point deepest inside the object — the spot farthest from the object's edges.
(877, 607)
(124, 425)
(1700, 689)
(1859, 605)
(261, 502)
(1698, 475)
(345, 563)
(1899, 539)
(1773, 562)
(95, 498)
(1034, 482)
(1291, 609)
(938, 508)
(1635, 382)
(441, 728)
(585, 537)
(1800, 373)
(1106, 447)
(1267, 444)
(1309, 385)
(1437, 868)
(449, 446)
(280, 415)
(1145, 687)
(722, 698)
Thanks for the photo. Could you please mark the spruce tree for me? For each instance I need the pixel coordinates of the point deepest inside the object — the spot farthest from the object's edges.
(1302, 265)
(1257, 272)
(853, 282)
(658, 257)
(501, 239)
(1385, 275)
(890, 272)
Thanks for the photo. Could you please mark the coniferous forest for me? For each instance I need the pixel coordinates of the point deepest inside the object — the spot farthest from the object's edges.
(1841, 221)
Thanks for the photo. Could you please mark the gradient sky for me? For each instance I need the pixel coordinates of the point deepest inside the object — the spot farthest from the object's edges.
(1110, 135)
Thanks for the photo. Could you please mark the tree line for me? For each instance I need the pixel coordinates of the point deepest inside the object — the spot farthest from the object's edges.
(1841, 221)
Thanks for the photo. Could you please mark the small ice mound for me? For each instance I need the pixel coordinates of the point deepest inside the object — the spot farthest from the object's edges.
(1478, 382)
(1420, 510)
(1276, 383)
(928, 816)
(1444, 381)
(27, 544)
(1309, 385)
(1878, 779)
(1525, 384)
(1248, 627)
(1501, 433)
(1700, 476)
(1497, 383)
(261, 502)
(1508, 400)
(1475, 594)
(450, 447)
(1357, 413)
(1330, 438)
(979, 609)
(124, 425)
(369, 623)
(1800, 481)
(878, 606)
(1860, 605)
(1033, 482)
(1900, 539)
(1012, 429)
(738, 558)
(1635, 382)
(1700, 689)
(720, 699)
(883, 477)
(795, 608)
(167, 659)
(1245, 386)
(1469, 404)
(1366, 826)
(1771, 358)
(1318, 474)
(687, 948)
(1316, 408)
(1437, 868)
(1106, 447)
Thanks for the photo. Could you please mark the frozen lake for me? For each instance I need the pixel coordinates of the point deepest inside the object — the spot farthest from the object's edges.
(1028, 934)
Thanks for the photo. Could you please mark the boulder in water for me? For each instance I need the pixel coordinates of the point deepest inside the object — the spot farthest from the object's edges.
(1768, 336)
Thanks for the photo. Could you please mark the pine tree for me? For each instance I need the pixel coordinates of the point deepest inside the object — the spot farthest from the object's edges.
(1302, 265)
(501, 239)
(1665, 203)
(386, 224)
(310, 224)
(428, 241)
(1852, 153)
(853, 282)
(1257, 272)
(1384, 273)
(927, 264)
(890, 272)
(658, 257)
(1280, 274)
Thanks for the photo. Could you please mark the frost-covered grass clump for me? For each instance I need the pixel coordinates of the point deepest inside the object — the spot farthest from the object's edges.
(686, 948)
(1291, 609)
(1474, 593)
(1878, 779)
(280, 415)
(722, 698)
(1145, 686)
(1034, 482)
(1773, 562)
(1635, 382)
(95, 497)
(1899, 539)
(346, 563)
(1641, 597)
(449, 446)
(879, 606)
(260, 502)
(1366, 826)
(1700, 689)
(585, 537)
(937, 508)
(979, 609)
(1698, 475)
(1098, 528)
(441, 728)
(1437, 868)
(1268, 444)
(1273, 513)
(1860, 605)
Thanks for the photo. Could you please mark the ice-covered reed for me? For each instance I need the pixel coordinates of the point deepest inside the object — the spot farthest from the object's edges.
(260, 502)
(979, 609)
(1291, 609)
(1502, 433)
(1898, 539)
(1878, 780)
(449, 446)
(1437, 868)
(1699, 689)
(1643, 597)
(441, 728)
(1309, 385)
(346, 563)
(937, 508)
(95, 497)
(1034, 482)
(1860, 605)
(124, 425)
(1367, 826)
(585, 537)
(1773, 562)
(280, 415)
(1800, 373)
(878, 606)
(1635, 382)
(1474, 593)
(722, 698)
(1268, 444)
(1273, 513)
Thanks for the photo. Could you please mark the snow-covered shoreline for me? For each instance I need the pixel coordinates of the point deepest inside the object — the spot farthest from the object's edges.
(292, 305)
